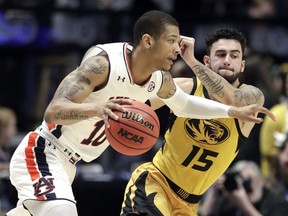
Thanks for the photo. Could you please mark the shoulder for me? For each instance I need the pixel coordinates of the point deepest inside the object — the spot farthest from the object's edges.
(167, 77)
(96, 62)
(104, 49)
(252, 94)
(168, 87)
(95, 69)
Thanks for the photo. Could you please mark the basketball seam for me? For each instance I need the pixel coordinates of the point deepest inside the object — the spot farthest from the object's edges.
(127, 145)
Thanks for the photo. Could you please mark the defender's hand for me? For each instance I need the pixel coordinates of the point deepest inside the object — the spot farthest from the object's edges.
(249, 113)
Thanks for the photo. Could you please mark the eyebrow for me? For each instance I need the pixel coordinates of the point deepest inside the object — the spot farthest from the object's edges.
(173, 35)
(222, 50)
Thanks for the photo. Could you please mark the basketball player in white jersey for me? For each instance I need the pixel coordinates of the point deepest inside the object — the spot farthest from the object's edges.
(43, 165)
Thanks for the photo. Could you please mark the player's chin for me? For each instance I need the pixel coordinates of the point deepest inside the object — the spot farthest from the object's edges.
(166, 67)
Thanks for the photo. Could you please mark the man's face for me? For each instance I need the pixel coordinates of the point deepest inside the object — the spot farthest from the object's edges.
(166, 48)
(226, 59)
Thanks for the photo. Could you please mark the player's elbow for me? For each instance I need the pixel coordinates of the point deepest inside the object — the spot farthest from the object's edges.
(48, 116)
(52, 113)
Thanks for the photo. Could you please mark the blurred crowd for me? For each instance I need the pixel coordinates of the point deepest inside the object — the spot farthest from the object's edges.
(8, 130)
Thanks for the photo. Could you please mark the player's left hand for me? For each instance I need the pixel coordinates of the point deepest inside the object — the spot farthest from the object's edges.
(187, 47)
(249, 113)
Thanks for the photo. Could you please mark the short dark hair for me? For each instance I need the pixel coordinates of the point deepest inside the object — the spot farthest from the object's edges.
(153, 23)
(225, 33)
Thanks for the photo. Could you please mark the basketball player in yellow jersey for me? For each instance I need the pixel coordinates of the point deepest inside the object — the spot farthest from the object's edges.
(196, 152)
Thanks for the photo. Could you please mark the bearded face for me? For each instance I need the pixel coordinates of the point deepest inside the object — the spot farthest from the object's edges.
(231, 78)
(226, 59)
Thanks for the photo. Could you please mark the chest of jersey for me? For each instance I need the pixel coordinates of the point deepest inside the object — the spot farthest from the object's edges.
(87, 137)
(198, 150)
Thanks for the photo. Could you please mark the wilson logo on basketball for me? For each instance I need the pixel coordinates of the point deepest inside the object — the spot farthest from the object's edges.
(136, 117)
(130, 136)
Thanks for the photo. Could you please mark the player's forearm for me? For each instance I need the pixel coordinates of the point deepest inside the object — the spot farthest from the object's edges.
(187, 106)
(216, 85)
(222, 90)
(68, 113)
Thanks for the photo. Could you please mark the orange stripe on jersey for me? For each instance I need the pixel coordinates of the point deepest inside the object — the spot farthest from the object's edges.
(30, 160)
(30, 157)
(51, 126)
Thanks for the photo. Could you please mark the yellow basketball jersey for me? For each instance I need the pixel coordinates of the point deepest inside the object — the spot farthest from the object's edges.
(268, 148)
(197, 152)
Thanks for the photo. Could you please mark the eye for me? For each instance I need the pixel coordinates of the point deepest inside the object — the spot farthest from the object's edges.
(221, 55)
(234, 56)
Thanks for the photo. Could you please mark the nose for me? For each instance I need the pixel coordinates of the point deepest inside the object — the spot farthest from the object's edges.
(177, 49)
(227, 60)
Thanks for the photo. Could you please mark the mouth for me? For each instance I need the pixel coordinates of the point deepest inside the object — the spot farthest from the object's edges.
(171, 60)
(225, 71)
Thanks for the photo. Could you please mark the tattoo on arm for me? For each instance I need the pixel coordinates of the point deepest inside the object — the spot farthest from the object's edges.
(210, 81)
(70, 116)
(73, 84)
(167, 81)
(93, 65)
(248, 95)
(243, 96)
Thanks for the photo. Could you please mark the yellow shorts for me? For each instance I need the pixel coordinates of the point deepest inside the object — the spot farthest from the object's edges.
(148, 193)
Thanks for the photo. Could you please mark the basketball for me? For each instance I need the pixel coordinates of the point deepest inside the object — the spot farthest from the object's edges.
(136, 131)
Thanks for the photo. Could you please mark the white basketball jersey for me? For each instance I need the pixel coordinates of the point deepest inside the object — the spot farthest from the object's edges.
(87, 137)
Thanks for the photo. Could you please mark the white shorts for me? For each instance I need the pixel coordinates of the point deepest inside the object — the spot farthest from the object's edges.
(39, 171)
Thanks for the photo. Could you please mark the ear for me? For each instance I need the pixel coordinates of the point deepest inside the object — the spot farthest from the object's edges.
(242, 66)
(206, 60)
(147, 40)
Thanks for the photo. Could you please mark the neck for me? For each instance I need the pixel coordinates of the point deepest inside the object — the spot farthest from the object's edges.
(236, 83)
(139, 66)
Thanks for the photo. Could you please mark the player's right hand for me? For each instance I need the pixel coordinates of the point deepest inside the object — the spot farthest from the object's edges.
(106, 110)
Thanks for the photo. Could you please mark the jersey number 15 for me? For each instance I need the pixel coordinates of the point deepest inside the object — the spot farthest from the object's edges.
(203, 162)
